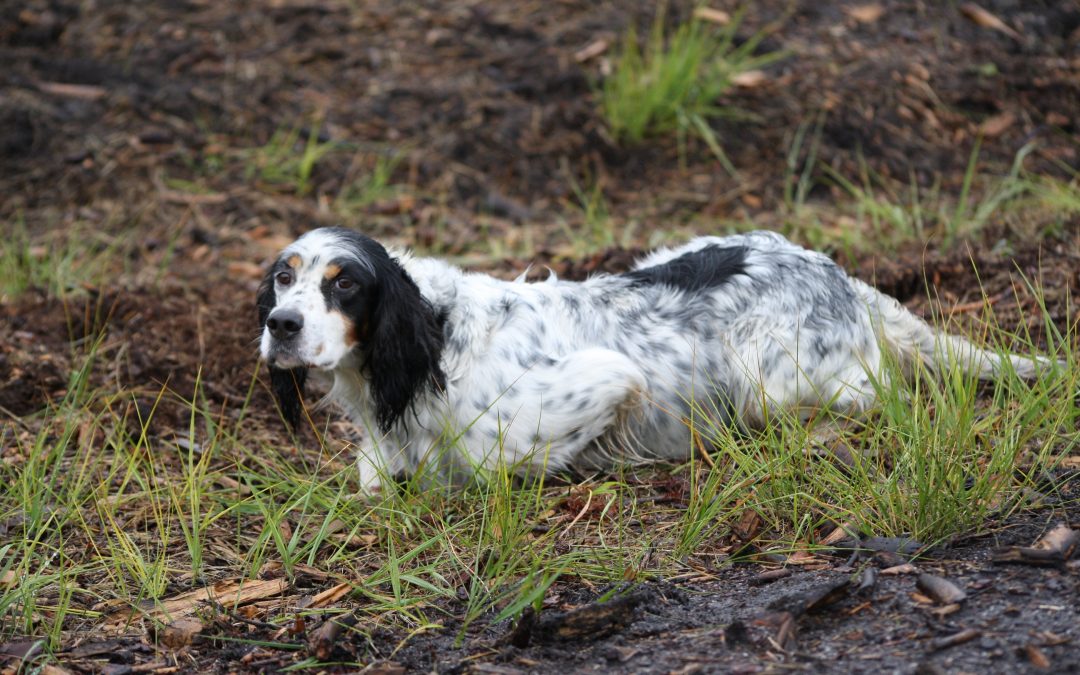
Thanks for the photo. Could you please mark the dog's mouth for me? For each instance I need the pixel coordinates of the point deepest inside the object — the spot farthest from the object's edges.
(284, 357)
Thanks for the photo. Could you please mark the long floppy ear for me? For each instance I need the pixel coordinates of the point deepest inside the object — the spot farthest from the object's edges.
(287, 384)
(406, 343)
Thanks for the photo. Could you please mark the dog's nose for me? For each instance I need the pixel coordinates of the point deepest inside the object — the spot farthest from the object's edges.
(285, 323)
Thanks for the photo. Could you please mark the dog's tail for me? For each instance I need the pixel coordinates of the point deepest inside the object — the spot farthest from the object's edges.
(912, 340)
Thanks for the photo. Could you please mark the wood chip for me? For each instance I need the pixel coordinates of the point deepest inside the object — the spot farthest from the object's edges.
(769, 576)
(848, 530)
(322, 640)
(942, 612)
(1036, 657)
(589, 622)
(591, 50)
(717, 16)
(992, 127)
(85, 92)
(865, 13)
(331, 595)
(941, 590)
(960, 638)
(749, 79)
(180, 633)
(1053, 549)
(229, 593)
(813, 598)
(786, 635)
(985, 19)
(1062, 539)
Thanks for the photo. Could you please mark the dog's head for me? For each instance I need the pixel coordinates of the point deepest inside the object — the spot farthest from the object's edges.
(336, 299)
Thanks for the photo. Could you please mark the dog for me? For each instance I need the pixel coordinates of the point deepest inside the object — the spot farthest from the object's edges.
(460, 370)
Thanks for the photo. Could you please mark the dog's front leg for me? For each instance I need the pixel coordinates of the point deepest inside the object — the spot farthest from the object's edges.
(378, 460)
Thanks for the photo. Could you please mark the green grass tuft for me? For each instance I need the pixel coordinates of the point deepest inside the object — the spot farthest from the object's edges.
(672, 83)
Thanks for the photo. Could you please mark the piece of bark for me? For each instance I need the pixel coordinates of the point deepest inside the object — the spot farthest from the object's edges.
(589, 622)
(814, 598)
(230, 593)
(1053, 549)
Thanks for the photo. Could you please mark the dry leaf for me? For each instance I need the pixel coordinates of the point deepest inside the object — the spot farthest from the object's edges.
(866, 13)
(86, 92)
(717, 16)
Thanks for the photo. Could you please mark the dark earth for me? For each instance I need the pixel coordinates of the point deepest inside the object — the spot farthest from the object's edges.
(110, 112)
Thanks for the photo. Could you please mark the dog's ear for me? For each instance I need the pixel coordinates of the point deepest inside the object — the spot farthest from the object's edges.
(405, 345)
(287, 384)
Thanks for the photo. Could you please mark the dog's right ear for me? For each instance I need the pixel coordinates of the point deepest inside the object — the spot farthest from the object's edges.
(286, 383)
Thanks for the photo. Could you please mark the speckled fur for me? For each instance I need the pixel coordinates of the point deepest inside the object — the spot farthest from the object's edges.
(558, 374)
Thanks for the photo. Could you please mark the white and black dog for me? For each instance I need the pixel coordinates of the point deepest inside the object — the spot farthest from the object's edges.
(463, 369)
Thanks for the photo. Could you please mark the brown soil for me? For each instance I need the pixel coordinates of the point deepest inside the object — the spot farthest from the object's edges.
(496, 119)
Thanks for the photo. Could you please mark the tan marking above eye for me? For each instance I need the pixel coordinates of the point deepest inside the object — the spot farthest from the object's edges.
(332, 271)
(293, 261)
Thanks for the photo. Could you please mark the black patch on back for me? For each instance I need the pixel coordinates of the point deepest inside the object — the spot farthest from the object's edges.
(710, 267)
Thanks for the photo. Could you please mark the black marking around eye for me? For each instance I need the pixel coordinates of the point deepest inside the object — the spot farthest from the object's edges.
(710, 267)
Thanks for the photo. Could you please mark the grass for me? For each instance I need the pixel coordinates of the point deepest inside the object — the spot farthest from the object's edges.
(57, 262)
(673, 82)
(880, 215)
(107, 508)
(917, 215)
(118, 498)
(289, 158)
(363, 188)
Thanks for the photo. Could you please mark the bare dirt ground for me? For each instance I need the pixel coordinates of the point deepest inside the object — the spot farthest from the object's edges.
(111, 111)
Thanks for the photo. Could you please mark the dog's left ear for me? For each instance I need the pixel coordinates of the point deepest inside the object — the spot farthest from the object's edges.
(287, 384)
(405, 345)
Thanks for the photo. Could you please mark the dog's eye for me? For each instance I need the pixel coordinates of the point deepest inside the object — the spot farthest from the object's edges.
(344, 283)
(284, 278)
